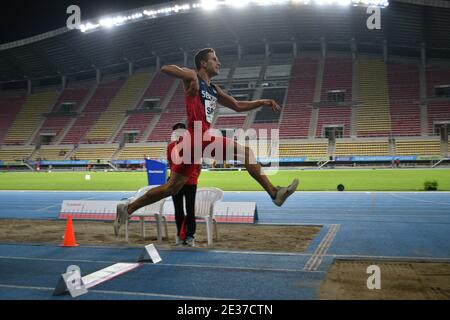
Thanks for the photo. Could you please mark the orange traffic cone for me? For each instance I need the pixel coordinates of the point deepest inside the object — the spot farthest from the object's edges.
(69, 236)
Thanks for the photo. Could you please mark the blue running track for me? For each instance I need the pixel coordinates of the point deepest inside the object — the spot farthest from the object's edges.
(360, 225)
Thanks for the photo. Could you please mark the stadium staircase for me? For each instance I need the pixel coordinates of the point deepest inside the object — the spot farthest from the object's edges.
(130, 122)
(127, 97)
(157, 89)
(52, 152)
(72, 152)
(173, 113)
(29, 117)
(96, 105)
(373, 114)
(317, 90)
(249, 121)
(297, 112)
(80, 108)
(167, 97)
(404, 96)
(57, 121)
(423, 100)
(355, 95)
(337, 75)
(9, 108)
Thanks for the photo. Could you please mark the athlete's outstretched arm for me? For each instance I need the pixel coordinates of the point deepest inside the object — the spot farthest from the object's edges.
(181, 73)
(242, 106)
(188, 76)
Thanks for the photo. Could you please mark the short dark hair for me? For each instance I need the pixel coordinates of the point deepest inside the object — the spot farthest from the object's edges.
(202, 55)
(178, 125)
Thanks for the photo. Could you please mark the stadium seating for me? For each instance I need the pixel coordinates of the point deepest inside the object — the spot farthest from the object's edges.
(246, 73)
(418, 147)
(52, 126)
(55, 124)
(138, 151)
(266, 114)
(52, 152)
(388, 104)
(316, 149)
(15, 153)
(73, 95)
(98, 103)
(436, 75)
(296, 115)
(175, 112)
(437, 111)
(404, 97)
(268, 126)
(157, 89)
(29, 117)
(362, 148)
(95, 152)
(230, 122)
(9, 108)
(337, 76)
(223, 75)
(278, 59)
(373, 115)
(252, 60)
(126, 98)
(277, 71)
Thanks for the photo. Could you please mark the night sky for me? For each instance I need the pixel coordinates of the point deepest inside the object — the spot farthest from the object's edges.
(21, 19)
(25, 18)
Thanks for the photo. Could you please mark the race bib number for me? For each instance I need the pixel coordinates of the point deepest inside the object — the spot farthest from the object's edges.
(210, 106)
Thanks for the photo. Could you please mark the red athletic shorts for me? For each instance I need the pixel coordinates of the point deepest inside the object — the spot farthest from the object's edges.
(214, 147)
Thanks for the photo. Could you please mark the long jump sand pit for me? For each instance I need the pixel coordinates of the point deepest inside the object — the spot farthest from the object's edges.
(347, 279)
(231, 236)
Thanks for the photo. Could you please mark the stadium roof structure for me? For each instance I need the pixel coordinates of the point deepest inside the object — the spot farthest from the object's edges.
(406, 26)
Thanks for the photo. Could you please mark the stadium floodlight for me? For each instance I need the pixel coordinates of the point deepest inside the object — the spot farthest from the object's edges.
(378, 3)
(184, 7)
(237, 3)
(119, 20)
(106, 22)
(271, 2)
(209, 4)
(88, 27)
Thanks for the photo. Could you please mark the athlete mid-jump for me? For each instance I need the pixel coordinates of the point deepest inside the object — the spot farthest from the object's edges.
(201, 97)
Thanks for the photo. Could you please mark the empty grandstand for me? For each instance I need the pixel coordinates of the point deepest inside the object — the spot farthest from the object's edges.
(345, 91)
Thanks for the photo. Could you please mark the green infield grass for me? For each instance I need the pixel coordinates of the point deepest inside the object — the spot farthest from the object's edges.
(310, 180)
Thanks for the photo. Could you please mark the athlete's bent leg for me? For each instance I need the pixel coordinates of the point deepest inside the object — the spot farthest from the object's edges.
(170, 188)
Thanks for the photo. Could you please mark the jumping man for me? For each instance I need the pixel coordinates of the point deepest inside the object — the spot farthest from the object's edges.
(201, 97)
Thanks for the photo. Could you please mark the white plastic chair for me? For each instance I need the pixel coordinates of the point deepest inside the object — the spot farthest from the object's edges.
(154, 209)
(205, 200)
